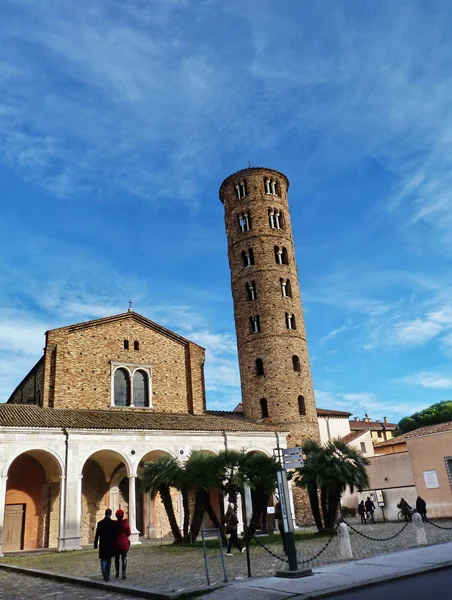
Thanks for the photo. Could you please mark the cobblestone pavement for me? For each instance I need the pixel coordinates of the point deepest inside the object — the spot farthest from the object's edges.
(22, 587)
(171, 568)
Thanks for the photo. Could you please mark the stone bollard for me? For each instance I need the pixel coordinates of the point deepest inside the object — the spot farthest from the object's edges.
(343, 537)
(418, 524)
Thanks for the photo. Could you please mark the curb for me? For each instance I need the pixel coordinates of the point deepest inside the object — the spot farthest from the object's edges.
(137, 592)
(375, 582)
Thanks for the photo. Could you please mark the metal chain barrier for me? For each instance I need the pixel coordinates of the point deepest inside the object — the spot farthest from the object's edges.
(438, 526)
(391, 537)
(251, 535)
(307, 560)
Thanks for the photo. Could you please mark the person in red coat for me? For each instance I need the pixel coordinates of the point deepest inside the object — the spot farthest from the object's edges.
(122, 542)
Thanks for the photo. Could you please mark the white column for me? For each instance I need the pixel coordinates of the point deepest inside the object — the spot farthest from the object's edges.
(73, 513)
(3, 481)
(239, 514)
(62, 511)
(135, 534)
(248, 503)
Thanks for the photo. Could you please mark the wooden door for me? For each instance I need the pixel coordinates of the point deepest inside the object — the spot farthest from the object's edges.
(13, 527)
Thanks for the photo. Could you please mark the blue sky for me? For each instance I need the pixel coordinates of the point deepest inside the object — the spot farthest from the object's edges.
(118, 122)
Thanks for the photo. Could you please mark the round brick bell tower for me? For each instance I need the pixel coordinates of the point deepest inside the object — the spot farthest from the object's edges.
(271, 338)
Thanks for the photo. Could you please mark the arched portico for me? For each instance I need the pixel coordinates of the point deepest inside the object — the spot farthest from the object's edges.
(155, 520)
(97, 470)
(31, 505)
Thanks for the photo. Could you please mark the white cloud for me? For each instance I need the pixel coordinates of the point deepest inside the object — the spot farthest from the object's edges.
(428, 380)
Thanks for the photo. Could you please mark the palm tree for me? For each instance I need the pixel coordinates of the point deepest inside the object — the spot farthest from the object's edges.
(232, 472)
(160, 476)
(330, 469)
(260, 472)
(202, 475)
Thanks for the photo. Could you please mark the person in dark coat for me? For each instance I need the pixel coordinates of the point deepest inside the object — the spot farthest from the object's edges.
(278, 516)
(370, 507)
(122, 542)
(231, 521)
(421, 508)
(405, 508)
(362, 512)
(106, 541)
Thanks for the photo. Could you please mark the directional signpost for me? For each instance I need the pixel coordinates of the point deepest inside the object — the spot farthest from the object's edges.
(289, 458)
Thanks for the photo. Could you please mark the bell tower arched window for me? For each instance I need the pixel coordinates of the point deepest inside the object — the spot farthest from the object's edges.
(301, 405)
(259, 366)
(251, 290)
(290, 321)
(255, 324)
(121, 388)
(264, 408)
(140, 389)
(244, 222)
(240, 188)
(248, 257)
(296, 363)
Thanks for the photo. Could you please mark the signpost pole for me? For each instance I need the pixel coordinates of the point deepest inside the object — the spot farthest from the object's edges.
(291, 458)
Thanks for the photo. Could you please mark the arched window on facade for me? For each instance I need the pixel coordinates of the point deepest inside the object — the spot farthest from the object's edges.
(251, 290)
(264, 408)
(255, 324)
(285, 257)
(136, 345)
(122, 388)
(140, 389)
(301, 405)
(244, 222)
(259, 366)
(271, 186)
(278, 255)
(296, 363)
(290, 321)
(241, 189)
(286, 290)
(247, 257)
(126, 344)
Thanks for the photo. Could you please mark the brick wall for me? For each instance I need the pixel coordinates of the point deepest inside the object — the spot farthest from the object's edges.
(29, 391)
(95, 499)
(78, 370)
(280, 385)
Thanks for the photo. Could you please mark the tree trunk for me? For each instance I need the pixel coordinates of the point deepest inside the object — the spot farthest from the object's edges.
(324, 504)
(198, 515)
(213, 517)
(313, 494)
(258, 507)
(168, 504)
(186, 505)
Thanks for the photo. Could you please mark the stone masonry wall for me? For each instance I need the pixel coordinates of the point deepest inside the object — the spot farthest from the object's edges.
(275, 345)
(30, 389)
(78, 369)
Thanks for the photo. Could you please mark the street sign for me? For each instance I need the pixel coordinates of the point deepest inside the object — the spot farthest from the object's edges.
(292, 458)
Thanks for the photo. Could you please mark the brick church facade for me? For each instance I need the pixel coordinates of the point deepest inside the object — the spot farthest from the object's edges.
(109, 395)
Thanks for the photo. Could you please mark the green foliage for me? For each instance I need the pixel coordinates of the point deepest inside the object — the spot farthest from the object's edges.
(327, 472)
(441, 412)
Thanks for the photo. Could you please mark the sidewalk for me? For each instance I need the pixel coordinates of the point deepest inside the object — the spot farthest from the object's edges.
(332, 579)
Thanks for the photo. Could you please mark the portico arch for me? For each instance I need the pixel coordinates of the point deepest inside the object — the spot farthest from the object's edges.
(97, 469)
(155, 520)
(32, 500)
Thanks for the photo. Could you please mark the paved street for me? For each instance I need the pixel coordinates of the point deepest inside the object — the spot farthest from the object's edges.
(418, 587)
(170, 568)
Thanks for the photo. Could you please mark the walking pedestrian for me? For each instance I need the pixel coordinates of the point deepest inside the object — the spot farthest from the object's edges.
(421, 508)
(122, 542)
(278, 516)
(405, 508)
(370, 508)
(231, 521)
(105, 539)
(362, 512)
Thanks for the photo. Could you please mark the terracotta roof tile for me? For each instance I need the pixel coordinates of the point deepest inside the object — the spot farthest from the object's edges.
(375, 425)
(427, 430)
(332, 413)
(18, 415)
(352, 436)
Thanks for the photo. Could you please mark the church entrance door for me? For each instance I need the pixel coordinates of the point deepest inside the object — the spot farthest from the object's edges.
(13, 527)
